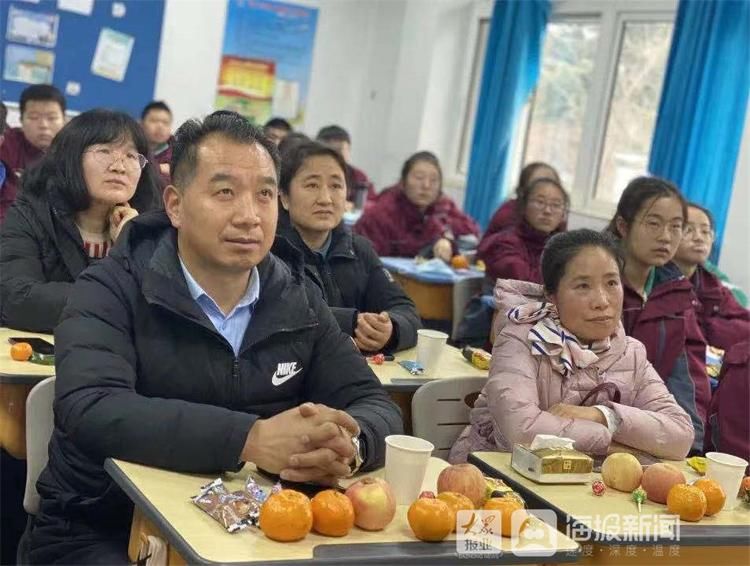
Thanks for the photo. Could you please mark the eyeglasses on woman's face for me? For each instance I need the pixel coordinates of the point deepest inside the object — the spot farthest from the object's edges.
(655, 227)
(540, 204)
(106, 157)
(691, 232)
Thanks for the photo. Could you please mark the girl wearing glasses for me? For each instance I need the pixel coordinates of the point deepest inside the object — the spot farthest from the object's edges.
(71, 208)
(659, 302)
(723, 320)
(515, 253)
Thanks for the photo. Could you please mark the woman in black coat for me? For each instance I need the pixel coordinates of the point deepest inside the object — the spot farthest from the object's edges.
(69, 212)
(367, 303)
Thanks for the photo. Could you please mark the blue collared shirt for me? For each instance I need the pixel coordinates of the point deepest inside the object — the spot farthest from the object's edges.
(232, 326)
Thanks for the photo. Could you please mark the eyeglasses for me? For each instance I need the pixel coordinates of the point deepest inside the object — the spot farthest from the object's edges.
(107, 157)
(539, 205)
(656, 227)
(691, 231)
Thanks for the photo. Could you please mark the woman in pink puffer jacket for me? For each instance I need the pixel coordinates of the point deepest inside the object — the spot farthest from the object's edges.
(562, 364)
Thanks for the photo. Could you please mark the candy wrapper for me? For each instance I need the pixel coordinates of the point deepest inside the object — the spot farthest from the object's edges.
(639, 496)
(235, 510)
(598, 487)
(412, 367)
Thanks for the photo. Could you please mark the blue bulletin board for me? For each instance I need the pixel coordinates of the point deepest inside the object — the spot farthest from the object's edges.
(101, 53)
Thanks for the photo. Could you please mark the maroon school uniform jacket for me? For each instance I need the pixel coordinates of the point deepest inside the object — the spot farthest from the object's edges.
(723, 320)
(164, 157)
(17, 153)
(667, 324)
(514, 253)
(728, 426)
(358, 180)
(398, 228)
(505, 217)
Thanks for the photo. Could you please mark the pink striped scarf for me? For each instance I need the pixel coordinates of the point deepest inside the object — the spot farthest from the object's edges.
(549, 338)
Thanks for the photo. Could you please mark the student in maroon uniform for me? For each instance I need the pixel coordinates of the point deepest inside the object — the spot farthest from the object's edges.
(156, 120)
(516, 252)
(3, 125)
(71, 209)
(723, 320)
(359, 187)
(509, 214)
(659, 307)
(414, 217)
(42, 110)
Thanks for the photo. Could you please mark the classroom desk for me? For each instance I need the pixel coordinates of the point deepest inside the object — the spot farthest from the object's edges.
(401, 385)
(163, 508)
(723, 539)
(437, 296)
(16, 380)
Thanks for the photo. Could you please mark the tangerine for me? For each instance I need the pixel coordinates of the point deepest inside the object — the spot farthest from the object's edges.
(333, 513)
(686, 501)
(286, 516)
(431, 520)
(457, 502)
(21, 351)
(715, 496)
(507, 506)
(459, 262)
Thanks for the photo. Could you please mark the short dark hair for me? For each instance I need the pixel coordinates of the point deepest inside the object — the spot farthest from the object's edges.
(704, 211)
(44, 93)
(294, 160)
(290, 142)
(528, 172)
(333, 133)
(225, 123)
(155, 105)
(427, 156)
(563, 247)
(60, 170)
(278, 123)
(523, 198)
(639, 191)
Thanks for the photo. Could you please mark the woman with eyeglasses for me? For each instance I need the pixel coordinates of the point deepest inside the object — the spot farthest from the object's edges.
(515, 253)
(723, 320)
(71, 209)
(659, 302)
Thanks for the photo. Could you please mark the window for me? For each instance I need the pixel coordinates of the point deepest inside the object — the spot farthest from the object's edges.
(593, 112)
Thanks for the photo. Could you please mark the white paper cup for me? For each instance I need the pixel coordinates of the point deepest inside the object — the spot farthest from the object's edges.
(406, 459)
(430, 345)
(727, 471)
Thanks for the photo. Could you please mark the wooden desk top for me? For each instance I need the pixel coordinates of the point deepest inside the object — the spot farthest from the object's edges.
(452, 364)
(577, 503)
(164, 498)
(13, 372)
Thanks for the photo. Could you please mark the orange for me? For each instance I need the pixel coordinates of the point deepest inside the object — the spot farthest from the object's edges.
(686, 501)
(459, 262)
(506, 506)
(457, 502)
(715, 496)
(286, 516)
(431, 519)
(333, 513)
(21, 351)
(746, 483)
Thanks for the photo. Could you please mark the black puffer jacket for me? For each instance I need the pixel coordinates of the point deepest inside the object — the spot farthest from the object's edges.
(41, 254)
(142, 374)
(353, 279)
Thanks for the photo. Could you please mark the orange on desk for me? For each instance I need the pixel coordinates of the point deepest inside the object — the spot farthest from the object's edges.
(506, 506)
(459, 262)
(457, 502)
(21, 351)
(431, 520)
(333, 513)
(715, 496)
(686, 501)
(286, 516)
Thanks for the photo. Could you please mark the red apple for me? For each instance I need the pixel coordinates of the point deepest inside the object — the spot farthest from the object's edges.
(374, 503)
(465, 479)
(658, 479)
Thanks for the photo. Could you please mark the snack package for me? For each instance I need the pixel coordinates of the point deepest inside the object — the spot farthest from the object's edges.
(235, 510)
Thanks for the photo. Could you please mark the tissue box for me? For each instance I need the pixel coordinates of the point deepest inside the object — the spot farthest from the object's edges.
(552, 465)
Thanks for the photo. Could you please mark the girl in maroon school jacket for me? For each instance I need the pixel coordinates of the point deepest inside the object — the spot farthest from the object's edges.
(414, 217)
(723, 320)
(659, 302)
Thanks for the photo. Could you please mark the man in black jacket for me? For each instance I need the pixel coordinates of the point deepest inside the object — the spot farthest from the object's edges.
(192, 348)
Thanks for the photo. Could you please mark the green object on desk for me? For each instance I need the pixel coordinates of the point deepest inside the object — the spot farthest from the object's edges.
(42, 360)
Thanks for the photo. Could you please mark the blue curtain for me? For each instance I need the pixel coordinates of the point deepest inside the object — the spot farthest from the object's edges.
(703, 103)
(511, 69)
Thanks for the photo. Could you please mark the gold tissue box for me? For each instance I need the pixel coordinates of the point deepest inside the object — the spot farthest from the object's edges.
(552, 465)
